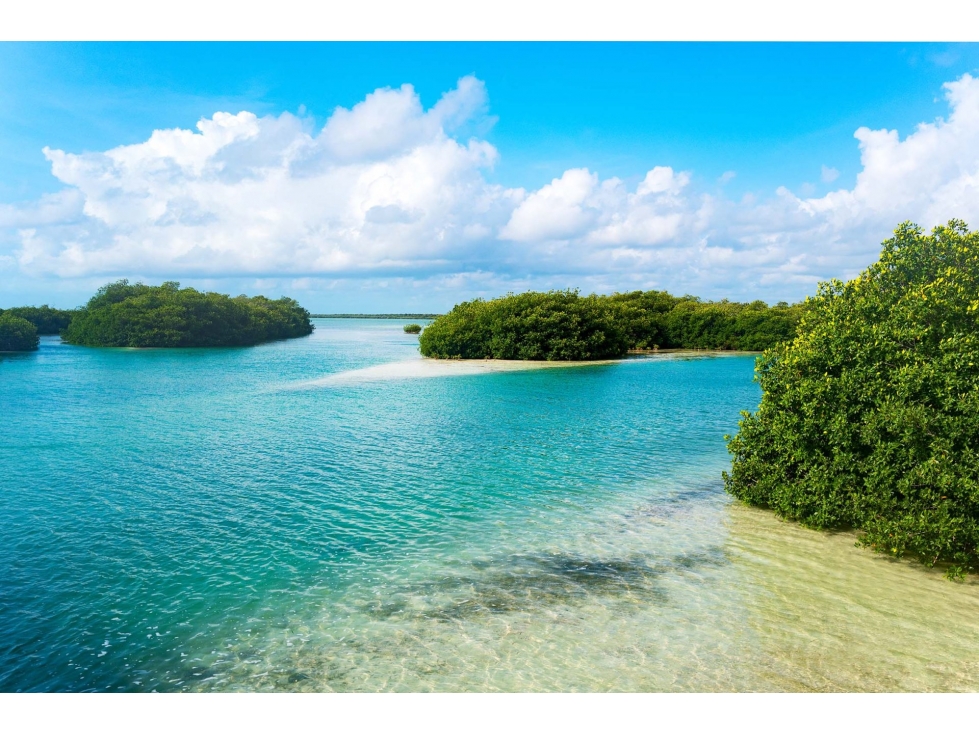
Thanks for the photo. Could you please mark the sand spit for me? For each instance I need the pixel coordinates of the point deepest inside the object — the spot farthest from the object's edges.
(412, 369)
(423, 367)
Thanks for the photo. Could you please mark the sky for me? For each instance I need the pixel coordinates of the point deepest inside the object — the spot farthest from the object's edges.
(378, 177)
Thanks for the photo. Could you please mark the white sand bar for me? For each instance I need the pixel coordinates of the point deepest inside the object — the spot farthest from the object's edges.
(422, 367)
(412, 369)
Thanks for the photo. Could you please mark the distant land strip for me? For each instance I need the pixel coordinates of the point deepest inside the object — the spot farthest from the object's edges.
(373, 315)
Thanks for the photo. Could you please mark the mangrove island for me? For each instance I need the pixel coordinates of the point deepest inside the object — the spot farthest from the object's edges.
(563, 325)
(122, 314)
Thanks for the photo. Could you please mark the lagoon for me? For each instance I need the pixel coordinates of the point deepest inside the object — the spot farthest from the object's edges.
(333, 513)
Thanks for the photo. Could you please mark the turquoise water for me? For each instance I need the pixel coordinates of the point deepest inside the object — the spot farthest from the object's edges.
(333, 513)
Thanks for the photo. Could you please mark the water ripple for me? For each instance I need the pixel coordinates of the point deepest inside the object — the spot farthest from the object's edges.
(177, 520)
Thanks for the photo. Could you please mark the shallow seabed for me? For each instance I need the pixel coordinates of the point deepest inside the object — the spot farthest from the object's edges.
(310, 515)
(749, 604)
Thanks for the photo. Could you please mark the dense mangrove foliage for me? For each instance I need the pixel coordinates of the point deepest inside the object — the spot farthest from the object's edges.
(559, 325)
(656, 319)
(136, 315)
(46, 320)
(870, 417)
(17, 334)
(563, 325)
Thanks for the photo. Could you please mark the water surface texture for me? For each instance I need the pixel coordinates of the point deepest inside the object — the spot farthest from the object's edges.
(332, 514)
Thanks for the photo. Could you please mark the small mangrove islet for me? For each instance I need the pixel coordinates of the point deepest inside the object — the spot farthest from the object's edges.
(122, 314)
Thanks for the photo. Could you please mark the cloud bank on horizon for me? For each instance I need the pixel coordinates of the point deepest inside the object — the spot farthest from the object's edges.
(388, 189)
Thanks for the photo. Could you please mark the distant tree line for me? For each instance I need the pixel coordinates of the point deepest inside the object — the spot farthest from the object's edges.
(122, 314)
(563, 325)
(46, 320)
(21, 325)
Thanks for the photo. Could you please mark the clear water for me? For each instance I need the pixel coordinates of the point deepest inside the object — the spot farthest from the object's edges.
(316, 515)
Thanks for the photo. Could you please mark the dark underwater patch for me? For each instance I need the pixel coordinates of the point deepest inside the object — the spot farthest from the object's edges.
(531, 582)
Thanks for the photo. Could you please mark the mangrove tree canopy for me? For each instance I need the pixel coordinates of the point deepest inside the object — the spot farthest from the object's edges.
(563, 325)
(47, 320)
(869, 418)
(17, 334)
(136, 315)
(559, 325)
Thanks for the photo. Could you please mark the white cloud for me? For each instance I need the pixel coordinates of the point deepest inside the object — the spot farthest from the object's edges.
(929, 177)
(389, 190)
(662, 180)
(828, 175)
(558, 211)
(390, 121)
(579, 206)
(726, 177)
(381, 186)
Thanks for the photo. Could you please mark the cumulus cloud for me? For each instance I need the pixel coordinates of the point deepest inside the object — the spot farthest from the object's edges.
(579, 206)
(382, 185)
(560, 210)
(390, 189)
(828, 175)
(390, 121)
(931, 175)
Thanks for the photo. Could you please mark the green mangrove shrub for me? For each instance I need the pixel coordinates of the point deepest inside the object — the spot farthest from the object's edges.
(17, 334)
(869, 417)
(47, 320)
(557, 325)
(752, 327)
(563, 325)
(412, 328)
(135, 315)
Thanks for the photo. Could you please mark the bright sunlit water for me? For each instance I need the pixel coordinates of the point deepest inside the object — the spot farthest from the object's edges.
(333, 513)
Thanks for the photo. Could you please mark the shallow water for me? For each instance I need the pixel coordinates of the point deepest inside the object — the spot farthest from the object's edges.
(310, 515)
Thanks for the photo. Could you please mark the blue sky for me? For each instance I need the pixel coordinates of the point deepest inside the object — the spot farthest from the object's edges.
(776, 115)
